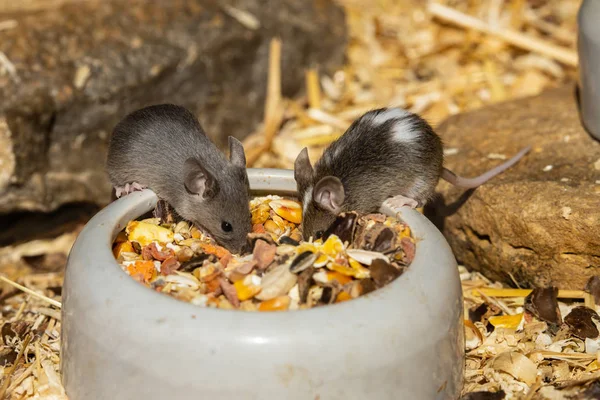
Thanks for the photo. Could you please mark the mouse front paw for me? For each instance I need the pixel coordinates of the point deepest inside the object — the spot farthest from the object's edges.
(128, 188)
(400, 201)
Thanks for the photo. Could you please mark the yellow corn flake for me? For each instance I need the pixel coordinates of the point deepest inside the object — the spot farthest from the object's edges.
(288, 209)
(245, 289)
(204, 272)
(506, 321)
(302, 247)
(337, 276)
(272, 227)
(122, 247)
(195, 233)
(281, 223)
(343, 296)
(260, 214)
(342, 269)
(145, 233)
(321, 260)
(332, 246)
(360, 272)
(405, 232)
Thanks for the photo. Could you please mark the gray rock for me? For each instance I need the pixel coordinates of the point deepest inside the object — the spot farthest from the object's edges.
(538, 222)
(79, 69)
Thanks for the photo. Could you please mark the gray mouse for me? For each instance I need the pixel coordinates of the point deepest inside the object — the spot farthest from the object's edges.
(164, 148)
(387, 155)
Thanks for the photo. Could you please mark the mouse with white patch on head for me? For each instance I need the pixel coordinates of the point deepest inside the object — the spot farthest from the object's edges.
(164, 148)
(387, 155)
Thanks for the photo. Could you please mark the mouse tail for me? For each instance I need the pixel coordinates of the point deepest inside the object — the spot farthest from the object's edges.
(472, 183)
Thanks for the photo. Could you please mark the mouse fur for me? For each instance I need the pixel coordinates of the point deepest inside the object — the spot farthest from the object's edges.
(385, 152)
(164, 148)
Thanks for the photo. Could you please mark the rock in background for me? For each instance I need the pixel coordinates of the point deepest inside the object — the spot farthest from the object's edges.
(68, 75)
(539, 222)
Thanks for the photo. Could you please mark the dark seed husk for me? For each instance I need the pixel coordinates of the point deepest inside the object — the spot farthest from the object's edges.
(137, 247)
(288, 240)
(384, 242)
(367, 234)
(303, 261)
(581, 322)
(196, 262)
(343, 227)
(327, 296)
(543, 303)
(367, 286)
(483, 312)
(7, 356)
(333, 292)
(305, 281)
(382, 272)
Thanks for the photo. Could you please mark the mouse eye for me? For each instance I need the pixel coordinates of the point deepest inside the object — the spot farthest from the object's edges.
(226, 226)
(319, 235)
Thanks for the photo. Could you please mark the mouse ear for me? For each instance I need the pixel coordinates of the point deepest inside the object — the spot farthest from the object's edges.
(329, 194)
(198, 180)
(303, 171)
(236, 153)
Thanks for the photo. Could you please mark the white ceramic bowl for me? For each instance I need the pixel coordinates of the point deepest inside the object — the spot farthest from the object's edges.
(121, 340)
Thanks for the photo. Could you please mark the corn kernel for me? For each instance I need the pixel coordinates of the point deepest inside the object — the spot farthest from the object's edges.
(287, 209)
(336, 276)
(360, 271)
(122, 247)
(272, 227)
(260, 214)
(195, 233)
(342, 269)
(332, 246)
(328, 276)
(343, 296)
(245, 291)
(277, 304)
